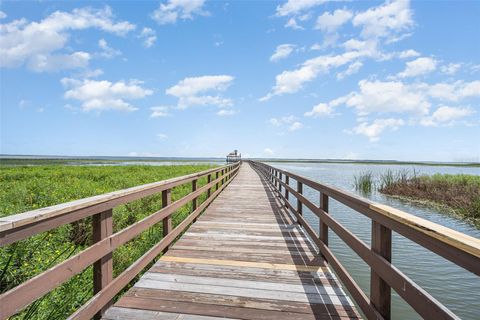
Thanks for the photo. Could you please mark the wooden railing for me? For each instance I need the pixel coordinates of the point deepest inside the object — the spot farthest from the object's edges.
(20, 226)
(457, 247)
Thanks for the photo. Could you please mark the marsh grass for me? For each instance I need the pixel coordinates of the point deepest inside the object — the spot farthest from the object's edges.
(27, 188)
(364, 182)
(459, 192)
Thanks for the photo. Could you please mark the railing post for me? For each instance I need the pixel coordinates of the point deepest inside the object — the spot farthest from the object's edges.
(287, 182)
(380, 292)
(167, 222)
(299, 203)
(209, 191)
(194, 201)
(280, 182)
(216, 178)
(323, 232)
(102, 227)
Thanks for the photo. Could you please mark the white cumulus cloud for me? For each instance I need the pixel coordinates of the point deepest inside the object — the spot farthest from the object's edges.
(325, 109)
(293, 7)
(320, 110)
(410, 53)
(159, 112)
(107, 51)
(446, 115)
(419, 67)
(172, 10)
(392, 17)
(39, 44)
(297, 125)
(100, 95)
(149, 37)
(289, 123)
(374, 129)
(194, 91)
(454, 92)
(226, 112)
(330, 22)
(282, 52)
(352, 69)
(292, 81)
(451, 68)
(391, 96)
(292, 23)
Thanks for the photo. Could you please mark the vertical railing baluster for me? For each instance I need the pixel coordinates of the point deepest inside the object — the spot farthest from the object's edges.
(299, 203)
(287, 182)
(216, 179)
(194, 201)
(209, 190)
(102, 227)
(280, 182)
(323, 232)
(276, 177)
(380, 292)
(167, 221)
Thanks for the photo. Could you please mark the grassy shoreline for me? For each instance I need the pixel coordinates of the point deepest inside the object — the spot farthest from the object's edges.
(27, 188)
(453, 193)
(459, 192)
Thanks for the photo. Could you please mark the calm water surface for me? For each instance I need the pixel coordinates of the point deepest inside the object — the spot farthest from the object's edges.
(456, 288)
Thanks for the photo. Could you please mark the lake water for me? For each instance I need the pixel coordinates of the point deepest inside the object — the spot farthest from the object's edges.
(453, 286)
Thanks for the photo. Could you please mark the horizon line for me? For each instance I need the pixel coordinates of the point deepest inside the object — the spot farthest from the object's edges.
(93, 157)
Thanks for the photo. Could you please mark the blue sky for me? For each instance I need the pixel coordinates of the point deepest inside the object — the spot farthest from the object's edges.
(301, 79)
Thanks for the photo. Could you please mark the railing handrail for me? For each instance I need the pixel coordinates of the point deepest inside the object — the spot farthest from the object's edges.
(459, 248)
(105, 241)
(22, 225)
(455, 239)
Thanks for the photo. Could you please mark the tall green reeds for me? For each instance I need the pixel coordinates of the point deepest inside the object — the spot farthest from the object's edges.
(364, 182)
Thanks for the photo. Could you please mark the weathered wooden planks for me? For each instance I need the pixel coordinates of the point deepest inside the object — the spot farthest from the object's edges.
(245, 258)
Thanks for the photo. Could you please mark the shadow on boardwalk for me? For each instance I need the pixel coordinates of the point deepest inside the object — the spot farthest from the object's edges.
(310, 255)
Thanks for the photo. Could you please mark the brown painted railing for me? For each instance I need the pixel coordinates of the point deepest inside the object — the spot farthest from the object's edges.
(20, 226)
(457, 247)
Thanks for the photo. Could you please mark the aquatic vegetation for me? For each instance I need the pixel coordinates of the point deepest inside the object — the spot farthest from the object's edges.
(460, 192)
(364, 182)
(27, 188)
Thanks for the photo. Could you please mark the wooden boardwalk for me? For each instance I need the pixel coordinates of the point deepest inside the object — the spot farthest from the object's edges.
(245, 258)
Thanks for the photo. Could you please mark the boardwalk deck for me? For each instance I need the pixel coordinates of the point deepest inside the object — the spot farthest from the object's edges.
(244, 258)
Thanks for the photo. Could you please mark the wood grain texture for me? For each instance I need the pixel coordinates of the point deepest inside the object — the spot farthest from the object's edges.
(245, 258)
